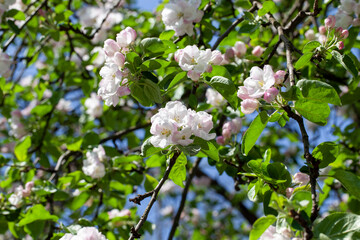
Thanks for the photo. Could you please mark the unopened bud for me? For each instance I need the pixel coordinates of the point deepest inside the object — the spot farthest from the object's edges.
(270, 94)
(344, 34)
(322, 30)
(330, 22)
(257, 51)
(340, 45)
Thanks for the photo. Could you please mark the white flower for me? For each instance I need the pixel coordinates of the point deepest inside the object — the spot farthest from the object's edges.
(214, 98)
(259, 81)
(64, 105)
(343, 19)
(5, 64)
(239, 49)
(271, 234)
(197, 61)
(126, 37)
(310, 35)
(117, 213)
(85, 233)
(301, 178)
(92, 165)
(347, 6)
(179, 15)
(93, 105)
(17, 128)
(16, 198)
(248, 106)
(202, 124)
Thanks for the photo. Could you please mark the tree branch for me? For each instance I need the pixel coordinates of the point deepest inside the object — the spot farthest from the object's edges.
(183, 198)
(121, 133)
(134, 230)
(233, 25)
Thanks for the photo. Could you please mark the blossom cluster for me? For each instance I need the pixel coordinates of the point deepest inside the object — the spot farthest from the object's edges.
(114, 83)
(16, 198)
(93, 165)
(237, 51)
(5, 63)
(345, 15)
(93, 105)
(260, 84)
(180, 15)
(229, 128)
(329, 35)
(175, 124)
(85, 233)
(196, 61)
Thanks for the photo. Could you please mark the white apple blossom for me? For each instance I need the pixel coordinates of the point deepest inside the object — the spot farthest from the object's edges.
(117, 213)
(175, 124)
(179, 15)
(85, 233)
(214, 98)
(5, 63)
(301, 178)
(113, 85)
(126, 37)
(94, 106)
(248, 106)
(239, 49)
(92, 165)
(196, 61)
(271, 234)
(259, 81)
(17, 128)
(343, 19)
(16, 199)
(64, 105)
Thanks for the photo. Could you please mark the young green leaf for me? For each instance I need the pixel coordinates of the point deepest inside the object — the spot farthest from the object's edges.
(178, 172)
(326, 152)
(21, 149)
(260, 226)
(254, 131)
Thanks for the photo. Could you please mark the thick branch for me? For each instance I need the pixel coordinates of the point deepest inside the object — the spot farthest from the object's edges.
(134, 230)
(183, 199)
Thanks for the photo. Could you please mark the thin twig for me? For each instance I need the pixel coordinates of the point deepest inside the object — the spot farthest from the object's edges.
(183, 198)
(233, 25)
(134, 230)
(121, 133)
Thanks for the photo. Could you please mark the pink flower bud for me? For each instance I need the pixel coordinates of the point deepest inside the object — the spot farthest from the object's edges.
(226, 132)
(42, 12)
(257, 51)
(119, 59)
(243, 93)
(330, 22)
(126, 37)
(28, 187)
(229, 54)
(279, 77)
(340, 45)
(322, 30)
(271, 94)
(301, 178)
(195, 76)
(248, 106)
(356, 22)
(289, 192)
(344, 34)
(123, 91)
(110, 47)
(220, 140)
(338, 31)
(240, 49)
(237, 123)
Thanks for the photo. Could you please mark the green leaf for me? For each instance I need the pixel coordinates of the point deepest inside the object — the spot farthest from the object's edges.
(21, 149)
(167, 35)
(179, 78)
(36, 213)
(268, 6)
(292, 94)
(302, 201)
(350, 181)
(152, 91)
(249, 27)
(310, 46)
(150, 183)
(318, 91)
(178, 171)
(326, 152)
(346, 62)
(76, 145)
(147, 149)
(133, 61)
(260, 226)
(338, 226)
(208, 148)
(253, 132)
(267, 155)
(315, 112)
(79, 201)
(153, 64)
(226, 88)
(303, 60)
(152, 46)
(91, 139)
(15, 14)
